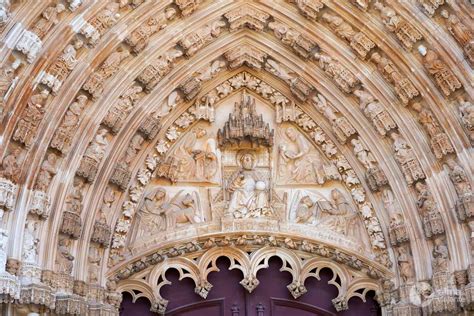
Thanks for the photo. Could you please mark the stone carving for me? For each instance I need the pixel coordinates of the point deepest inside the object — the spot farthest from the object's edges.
(439, 140)
(245, 54)
(465, 203)
(463, 35)
(159, 213)
(363, 154)
(300, 88)
(95, 84)
(4, 12)
(466, 111)
(405, 262)
(190, 161)
(406, 158)
(246, 16)
(304, 211)
(302, 45)
(99, 24)
(121, 175)
(71, 222)
(47, 172)
(374, 111)
(27, 126)
(192, 85)
(432, 221)
(49, 18)
(203, 109)
(8, 191)
(341, 76)
(298, 162)
(10, 168)
(116, 116)
(158, 69)
(64, 258)
(279, 70)
(341, 126)
(40, 204)
(405, 89)
(150, 127)
(132, 3)
(94, 258)
(357, 40)
(430, 6)
(93, 156)
(102, 232)
(309, 8)
(406, 33)
(139, 38)
(3, 250)
(442, 74)
(62, 137)
(193, 42)
(187, 7)
(440, 255)
(62, 67)
(245, 125)
(285, 112)
(398, 231)
(74, 4)
(249, 195)
(30, 45)
(30, 242)
(7, 80)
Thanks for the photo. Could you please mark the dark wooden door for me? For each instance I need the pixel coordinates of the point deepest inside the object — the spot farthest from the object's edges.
(270, 298)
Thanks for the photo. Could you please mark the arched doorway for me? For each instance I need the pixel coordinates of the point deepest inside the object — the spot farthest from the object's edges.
(270, 298)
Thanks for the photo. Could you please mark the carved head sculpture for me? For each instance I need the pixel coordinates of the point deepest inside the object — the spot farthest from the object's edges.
(291, 133)
(188, 200)
(306, 200)
(336, 195)
(247, 161)
(170, 13)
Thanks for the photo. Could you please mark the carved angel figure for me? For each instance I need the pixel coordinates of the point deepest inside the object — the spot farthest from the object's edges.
(300, 164)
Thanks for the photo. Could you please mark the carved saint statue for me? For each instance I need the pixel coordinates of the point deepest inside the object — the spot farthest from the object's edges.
(300, 164)
(249, 194)
(30, 242)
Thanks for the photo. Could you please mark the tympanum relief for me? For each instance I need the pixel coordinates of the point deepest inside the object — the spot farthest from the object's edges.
(251, 163)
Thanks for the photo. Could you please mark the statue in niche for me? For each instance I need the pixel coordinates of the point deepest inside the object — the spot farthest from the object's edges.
(440, 255)
(11, 165)
(188, 161)
(64, 259)
(298, 162)
(47, 172)
(49, 18)
(159, 214)
(249, 194)
(94, 258)
(27, 126)
(30, 242)
(405, 261)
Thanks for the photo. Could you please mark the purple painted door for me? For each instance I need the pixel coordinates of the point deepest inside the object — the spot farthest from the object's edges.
(271, 298)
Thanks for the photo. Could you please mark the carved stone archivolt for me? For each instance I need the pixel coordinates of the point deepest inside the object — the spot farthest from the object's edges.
(168, 174)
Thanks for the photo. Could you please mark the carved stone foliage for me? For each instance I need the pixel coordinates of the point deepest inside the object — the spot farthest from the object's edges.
(62, 137)
(358, 41)
(27, 126)
(194, 41)
(199, 270)
(93, 156)
(100, 23)
(95, 84)
(158, 69)
(139, 38)
(247, 16)
(406, 33)
(440, 71)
